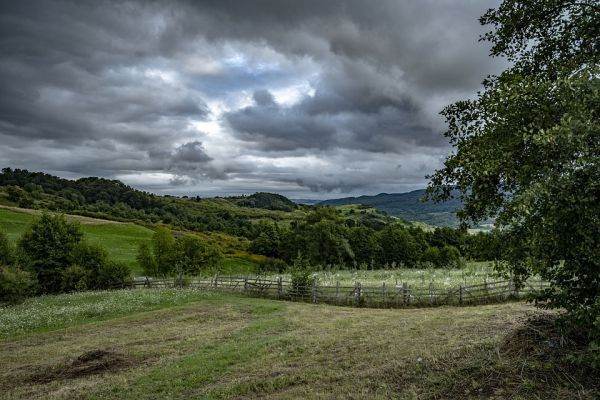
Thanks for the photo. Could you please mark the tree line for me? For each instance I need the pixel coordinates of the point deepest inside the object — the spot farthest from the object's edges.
(324, 239)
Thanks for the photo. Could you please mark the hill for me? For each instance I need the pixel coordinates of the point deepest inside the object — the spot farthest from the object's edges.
(269, 201)
(112, 199)
(408, 206)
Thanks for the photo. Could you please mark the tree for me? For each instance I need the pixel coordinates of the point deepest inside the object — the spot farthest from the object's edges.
(163, 244)
(146, 260)
(527, 149)
(194, 256)
(398, 246)
(46, 249)
(364, 244)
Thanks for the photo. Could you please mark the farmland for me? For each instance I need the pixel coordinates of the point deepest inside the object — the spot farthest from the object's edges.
(120, 239)
(182, 344)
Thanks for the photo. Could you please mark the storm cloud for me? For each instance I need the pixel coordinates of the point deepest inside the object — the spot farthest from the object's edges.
(219, 97)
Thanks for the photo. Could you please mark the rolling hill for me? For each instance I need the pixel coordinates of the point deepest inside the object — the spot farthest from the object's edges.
(408, 206)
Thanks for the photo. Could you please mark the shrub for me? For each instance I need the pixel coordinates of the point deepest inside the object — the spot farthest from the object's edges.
(432, 255)
(450, 257)
(163, 244)
(75, 278)
(7, 251)
(15, 284)
(112, 275)
(146, 260)
(187, 254)
(272, 265)
(302, 278)
(192, 255)
(46, 249)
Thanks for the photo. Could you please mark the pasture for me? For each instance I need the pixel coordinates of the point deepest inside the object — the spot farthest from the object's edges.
(156, 344)
(121, 240)
(472, 274)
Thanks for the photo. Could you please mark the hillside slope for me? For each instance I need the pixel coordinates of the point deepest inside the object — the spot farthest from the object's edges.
(408, 206)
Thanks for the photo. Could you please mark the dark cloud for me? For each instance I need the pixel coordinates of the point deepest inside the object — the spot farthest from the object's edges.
(117, 89)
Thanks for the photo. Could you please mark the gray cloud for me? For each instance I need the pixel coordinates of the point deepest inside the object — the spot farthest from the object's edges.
(117, 88)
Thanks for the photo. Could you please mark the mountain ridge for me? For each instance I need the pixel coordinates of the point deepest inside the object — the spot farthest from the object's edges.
(408, 206)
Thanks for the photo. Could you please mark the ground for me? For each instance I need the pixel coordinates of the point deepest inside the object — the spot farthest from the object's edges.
(168, 344)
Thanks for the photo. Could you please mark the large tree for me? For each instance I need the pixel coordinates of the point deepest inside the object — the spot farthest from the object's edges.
(527, 148)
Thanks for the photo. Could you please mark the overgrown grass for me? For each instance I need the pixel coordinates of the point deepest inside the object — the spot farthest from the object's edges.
(222, 346)
(472, 273)
(45, 313)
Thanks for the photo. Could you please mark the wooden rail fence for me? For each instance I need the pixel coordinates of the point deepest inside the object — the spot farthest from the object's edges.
(384, 296)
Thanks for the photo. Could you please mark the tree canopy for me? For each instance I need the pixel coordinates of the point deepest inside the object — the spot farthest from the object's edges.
(527, 148)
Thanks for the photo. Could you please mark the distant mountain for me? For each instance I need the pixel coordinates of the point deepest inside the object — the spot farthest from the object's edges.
(407, 206)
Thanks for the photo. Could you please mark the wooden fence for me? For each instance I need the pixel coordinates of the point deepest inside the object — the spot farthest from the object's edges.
(384, 296)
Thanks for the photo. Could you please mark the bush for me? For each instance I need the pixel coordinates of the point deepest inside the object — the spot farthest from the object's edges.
(450, 257)
(7, 251)
(46, 249)
(432, 255)
(15, 284)
(302, 278)
(146, 260)
(113, 275)
(192, 255)
(187, 254)
(76, 278)
(272, 265)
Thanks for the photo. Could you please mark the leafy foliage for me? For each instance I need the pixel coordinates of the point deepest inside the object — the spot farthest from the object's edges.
(7, 251)
(15, 284)
(46, 249)
(528, 147)
(53, 250)
(185, 254)
(269, 201)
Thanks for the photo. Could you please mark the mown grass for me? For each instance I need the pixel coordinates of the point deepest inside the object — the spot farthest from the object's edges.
(223, 346)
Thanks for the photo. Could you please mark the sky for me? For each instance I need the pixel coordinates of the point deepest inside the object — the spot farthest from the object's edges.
(310, 99)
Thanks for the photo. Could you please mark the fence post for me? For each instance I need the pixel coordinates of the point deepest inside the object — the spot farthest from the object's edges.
(357, 290)
(279, 287)
(215, 283)
(405, 295)
(245, 283)
(460, 294)
(384, 294)
(147, 283)
(337, 291)
(314, 290)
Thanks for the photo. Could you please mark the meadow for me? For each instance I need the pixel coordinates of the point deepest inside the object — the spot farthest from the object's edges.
(473, 273)
(157, 344)
(121, 240)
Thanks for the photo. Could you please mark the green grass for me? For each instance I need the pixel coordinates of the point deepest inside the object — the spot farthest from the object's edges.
(163, 345)
(472, 273)
(121, 240)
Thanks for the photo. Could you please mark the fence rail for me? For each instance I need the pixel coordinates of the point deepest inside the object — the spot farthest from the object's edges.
(384, 296)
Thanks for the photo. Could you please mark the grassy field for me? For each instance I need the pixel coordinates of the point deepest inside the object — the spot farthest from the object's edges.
(165, 344)
(121, 240)
(473, 273)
